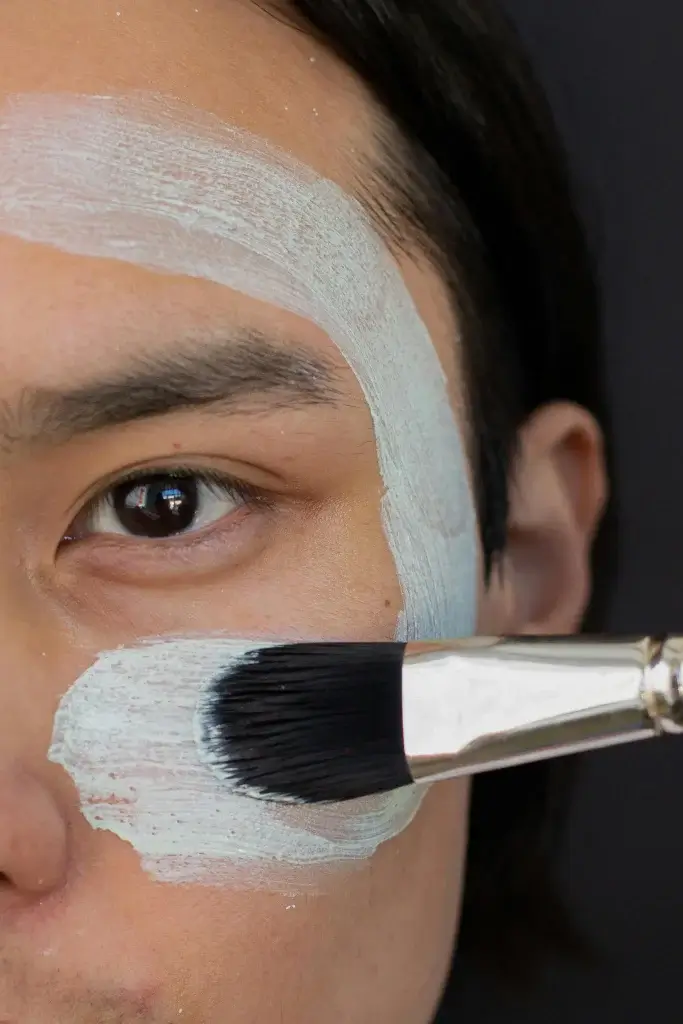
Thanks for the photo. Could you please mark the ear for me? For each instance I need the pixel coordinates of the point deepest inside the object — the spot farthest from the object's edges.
(558, 492)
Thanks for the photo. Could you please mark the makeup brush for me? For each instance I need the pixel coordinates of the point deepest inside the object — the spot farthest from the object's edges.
(313, 723)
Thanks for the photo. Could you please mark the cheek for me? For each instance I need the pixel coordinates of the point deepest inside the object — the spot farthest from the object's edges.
(126, 735)
(378, 939)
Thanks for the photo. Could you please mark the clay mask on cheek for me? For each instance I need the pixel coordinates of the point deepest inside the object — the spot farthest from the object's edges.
(128, 734)
(144, 180)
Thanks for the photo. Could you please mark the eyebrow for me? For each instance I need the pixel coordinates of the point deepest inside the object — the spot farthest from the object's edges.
(244, 372)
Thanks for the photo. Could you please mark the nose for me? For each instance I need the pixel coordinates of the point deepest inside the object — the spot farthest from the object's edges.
(33, 837)
(33, 814)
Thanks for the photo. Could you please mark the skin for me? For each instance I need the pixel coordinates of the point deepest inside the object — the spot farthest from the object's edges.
(85, 936)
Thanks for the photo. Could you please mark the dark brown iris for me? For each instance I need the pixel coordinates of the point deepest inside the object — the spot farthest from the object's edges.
(157, 506)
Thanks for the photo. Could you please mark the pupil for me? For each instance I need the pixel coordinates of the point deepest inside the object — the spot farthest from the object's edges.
(159, 506)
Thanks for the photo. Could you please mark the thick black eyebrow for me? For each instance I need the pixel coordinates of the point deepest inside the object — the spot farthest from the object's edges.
(245, 371)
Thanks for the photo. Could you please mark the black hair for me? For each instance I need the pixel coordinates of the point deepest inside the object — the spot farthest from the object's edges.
(474, 174)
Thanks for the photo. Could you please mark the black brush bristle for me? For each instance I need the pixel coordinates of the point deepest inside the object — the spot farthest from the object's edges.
(312, 723)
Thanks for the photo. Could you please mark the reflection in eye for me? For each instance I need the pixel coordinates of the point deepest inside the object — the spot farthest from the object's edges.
(162, 505)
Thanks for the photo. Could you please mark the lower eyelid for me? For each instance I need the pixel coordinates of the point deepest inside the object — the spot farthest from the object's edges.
(218, 548)
(190, 538)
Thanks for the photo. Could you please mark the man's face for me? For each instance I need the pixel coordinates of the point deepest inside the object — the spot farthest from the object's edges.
(259, 514)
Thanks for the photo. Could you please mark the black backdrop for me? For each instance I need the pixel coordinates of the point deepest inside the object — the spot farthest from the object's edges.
(614, 72)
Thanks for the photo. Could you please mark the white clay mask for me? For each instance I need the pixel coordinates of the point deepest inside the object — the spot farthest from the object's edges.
(128, 733)
(144, 180)
(147, 181)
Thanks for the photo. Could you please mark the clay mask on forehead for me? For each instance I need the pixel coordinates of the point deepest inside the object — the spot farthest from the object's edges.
(147, 181)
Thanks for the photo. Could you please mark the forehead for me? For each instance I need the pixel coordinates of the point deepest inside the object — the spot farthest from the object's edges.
(226, 60)
(224, 56)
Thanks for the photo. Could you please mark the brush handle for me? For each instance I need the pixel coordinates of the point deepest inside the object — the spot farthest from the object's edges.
(488, 702)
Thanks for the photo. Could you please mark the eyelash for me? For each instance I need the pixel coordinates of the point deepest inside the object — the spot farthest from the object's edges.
(246, 494)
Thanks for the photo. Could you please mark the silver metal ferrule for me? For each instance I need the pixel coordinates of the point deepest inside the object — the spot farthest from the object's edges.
(484, 703)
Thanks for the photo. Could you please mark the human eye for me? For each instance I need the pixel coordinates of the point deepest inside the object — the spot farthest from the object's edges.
(162, 504)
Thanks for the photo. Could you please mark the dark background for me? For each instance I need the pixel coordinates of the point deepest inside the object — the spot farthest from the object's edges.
(613, 70)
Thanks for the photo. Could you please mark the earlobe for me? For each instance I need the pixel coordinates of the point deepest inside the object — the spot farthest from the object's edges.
(557, 496)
